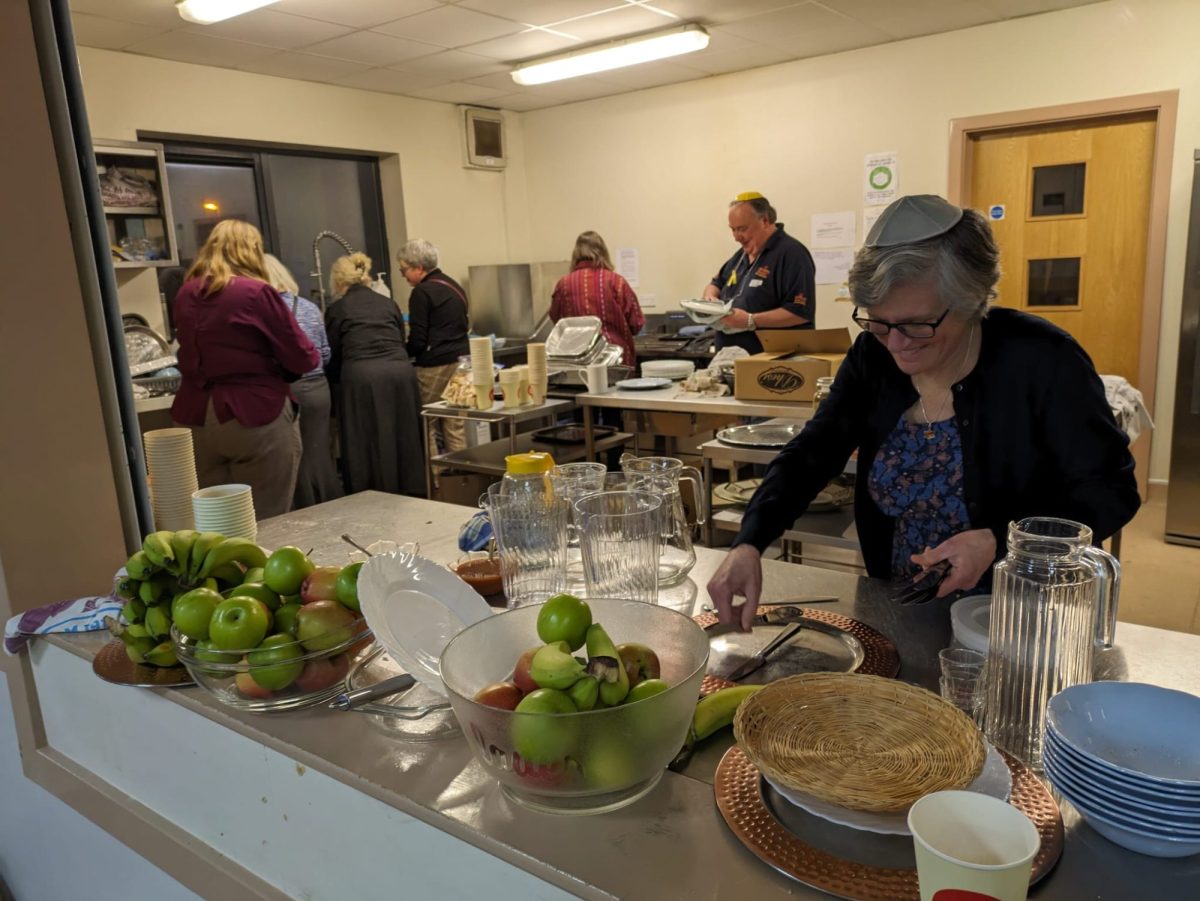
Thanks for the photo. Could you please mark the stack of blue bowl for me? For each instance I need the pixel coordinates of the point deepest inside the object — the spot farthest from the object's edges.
(1127, 757)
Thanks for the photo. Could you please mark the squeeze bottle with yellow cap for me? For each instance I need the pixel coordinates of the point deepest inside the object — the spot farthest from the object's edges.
(528, 473)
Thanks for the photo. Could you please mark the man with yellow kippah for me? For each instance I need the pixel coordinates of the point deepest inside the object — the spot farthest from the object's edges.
(771, 280)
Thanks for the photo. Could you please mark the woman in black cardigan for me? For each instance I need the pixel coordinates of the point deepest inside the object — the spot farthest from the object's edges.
(965, 417)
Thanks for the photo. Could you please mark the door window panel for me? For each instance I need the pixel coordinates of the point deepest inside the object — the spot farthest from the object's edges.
(202, 194)
(1058, 190)
(1054, 283)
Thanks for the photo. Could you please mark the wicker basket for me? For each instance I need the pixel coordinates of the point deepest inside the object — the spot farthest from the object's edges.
(863, 742)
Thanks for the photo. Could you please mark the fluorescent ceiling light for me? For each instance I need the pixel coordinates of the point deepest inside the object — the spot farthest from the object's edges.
(205, 12)
(613, 55)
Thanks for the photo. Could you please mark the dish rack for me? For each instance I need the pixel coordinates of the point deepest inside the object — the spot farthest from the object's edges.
(159, 384)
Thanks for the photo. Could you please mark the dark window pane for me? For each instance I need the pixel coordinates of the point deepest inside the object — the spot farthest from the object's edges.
(1058, 190)
(1054, 283)
(202, 195)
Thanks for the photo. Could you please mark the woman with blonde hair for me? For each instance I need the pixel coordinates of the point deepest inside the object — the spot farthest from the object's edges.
(239, 350)
(378, 399)
(317, 480)
(592, 288)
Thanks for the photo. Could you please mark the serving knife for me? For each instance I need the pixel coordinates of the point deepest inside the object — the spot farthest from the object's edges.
(348, 700)
(759, 659)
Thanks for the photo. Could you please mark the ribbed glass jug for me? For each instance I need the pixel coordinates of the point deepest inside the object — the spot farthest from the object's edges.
(1054, 600)
(661, 476)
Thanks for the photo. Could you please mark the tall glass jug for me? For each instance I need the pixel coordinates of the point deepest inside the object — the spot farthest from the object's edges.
(1054, 600)
(661, 476)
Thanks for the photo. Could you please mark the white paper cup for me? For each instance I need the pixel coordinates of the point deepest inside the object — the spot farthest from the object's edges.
(483, 396)
(596, 377)
(967, 842)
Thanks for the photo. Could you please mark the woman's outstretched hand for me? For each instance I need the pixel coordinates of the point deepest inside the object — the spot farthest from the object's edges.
(971, 554)
(739, 575)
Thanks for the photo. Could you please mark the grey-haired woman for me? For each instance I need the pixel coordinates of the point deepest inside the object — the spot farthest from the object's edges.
(965, 417)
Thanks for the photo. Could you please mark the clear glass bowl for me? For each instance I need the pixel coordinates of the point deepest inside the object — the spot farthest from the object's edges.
(592, 761)
(323, 676)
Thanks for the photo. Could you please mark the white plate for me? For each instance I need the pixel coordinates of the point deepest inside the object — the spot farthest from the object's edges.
(995, 779)
(642, 384)
(971, 618)
(414, 607)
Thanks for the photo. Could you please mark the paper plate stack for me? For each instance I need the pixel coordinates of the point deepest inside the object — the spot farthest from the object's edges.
(668, 369)
(171, 472)
(228, 509)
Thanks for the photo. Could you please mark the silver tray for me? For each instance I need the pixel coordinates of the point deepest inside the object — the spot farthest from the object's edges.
(573, 336)
(765, 434)
(143, 345)
(418, 714)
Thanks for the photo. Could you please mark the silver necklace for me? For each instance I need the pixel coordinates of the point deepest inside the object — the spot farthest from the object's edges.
(930, 433)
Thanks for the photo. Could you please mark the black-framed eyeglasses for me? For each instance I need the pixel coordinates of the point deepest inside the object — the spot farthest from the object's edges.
(880, 327)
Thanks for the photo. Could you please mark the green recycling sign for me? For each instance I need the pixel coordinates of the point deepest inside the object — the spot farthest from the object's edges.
(880, 186)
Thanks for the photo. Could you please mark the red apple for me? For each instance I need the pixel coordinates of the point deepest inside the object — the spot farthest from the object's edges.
(320, 584)
(521, 676)
(320, 674)
(323, 625)
(249, 688)
(641, 662)
(505, 695)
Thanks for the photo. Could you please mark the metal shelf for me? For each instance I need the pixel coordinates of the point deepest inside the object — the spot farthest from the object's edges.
(488, 459)
(818, 528)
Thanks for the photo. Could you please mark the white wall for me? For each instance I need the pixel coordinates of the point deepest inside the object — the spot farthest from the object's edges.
(656, 169)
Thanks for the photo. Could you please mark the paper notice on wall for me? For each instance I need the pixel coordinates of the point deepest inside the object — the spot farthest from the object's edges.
(870, 215)
(833, 266)
(833, 229)
(627, 265)
(882, 179)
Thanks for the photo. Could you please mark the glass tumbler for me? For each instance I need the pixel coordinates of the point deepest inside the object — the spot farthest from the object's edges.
(572, 481)
(619, 538)
(531, 532)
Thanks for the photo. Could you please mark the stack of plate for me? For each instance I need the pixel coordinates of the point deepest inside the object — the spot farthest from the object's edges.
(228, 509)
(668, 369)
(171, 472)
(705, 311)
(1127, 756)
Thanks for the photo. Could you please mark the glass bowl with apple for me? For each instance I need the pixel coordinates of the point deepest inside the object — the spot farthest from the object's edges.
(257, 652)
(562, 750)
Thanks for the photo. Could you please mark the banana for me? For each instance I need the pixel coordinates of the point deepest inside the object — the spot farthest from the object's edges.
(600, 646)
(126, 588)
(204, 543)
(133, 611)
(150, 592)
(139, 567)
(137, 630)
(157, 547)
(181, 543)
(162, 654)
(585, 692)
(241, 550)
(135, 648)
(230, 574)
(158, 622)
(554, 667)
(715, 711)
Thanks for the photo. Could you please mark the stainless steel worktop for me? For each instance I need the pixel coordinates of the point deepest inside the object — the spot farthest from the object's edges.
(672, 843)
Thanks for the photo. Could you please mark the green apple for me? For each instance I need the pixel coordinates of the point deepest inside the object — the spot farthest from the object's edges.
(564, 618)
(347, 586)
(608, 762)
(239, 623)
(192, 612)
(276, 662)
(205, 651)
(249, 688)
(286, 570)
(257, 590)
(647, 688)
(323, 625)
(540, 734)
(285, 619)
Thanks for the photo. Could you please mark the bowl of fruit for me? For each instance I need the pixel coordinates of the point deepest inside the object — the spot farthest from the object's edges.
(282, 642)
(574, 706)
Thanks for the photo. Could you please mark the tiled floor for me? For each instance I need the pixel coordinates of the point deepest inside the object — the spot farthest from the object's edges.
(1160, 582)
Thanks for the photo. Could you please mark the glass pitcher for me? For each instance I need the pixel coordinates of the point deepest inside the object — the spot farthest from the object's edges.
(661, 476)
(1054, 601)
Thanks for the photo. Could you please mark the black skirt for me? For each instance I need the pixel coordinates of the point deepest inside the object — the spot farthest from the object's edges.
(379, 415)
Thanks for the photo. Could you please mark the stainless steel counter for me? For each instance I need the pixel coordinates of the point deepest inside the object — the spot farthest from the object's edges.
(672, 843)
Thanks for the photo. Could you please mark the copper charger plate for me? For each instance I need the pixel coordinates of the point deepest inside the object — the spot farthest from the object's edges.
(880, 657)
(112, 664)
(740, 795)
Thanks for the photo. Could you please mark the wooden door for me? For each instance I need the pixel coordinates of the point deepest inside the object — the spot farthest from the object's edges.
(1075, 204)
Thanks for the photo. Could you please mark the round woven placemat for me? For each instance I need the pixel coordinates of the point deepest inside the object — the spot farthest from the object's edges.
(858, 741)
(112, 664)
(880, 657)
(738, 787)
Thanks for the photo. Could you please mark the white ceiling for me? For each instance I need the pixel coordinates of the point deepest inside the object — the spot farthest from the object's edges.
(462, 51)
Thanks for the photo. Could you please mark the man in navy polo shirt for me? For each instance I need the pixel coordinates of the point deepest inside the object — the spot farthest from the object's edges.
(771, 280)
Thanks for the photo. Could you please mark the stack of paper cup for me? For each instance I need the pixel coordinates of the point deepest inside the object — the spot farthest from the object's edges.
(510, 384)
(481, 372)
(171, 471)
(537, 372)
(523, 393)
(228, 509)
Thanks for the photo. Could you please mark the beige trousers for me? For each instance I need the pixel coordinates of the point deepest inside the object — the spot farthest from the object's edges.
(265, 457)
(433, 381)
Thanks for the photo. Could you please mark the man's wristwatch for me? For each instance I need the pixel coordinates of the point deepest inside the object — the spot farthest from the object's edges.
(750, 321)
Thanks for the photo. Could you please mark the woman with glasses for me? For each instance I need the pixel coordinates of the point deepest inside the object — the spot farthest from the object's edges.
(965, 417)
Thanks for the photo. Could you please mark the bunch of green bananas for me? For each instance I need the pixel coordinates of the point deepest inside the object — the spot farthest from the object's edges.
(168, 565)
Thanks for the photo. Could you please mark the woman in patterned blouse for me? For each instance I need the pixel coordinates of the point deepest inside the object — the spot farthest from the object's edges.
(593, 289)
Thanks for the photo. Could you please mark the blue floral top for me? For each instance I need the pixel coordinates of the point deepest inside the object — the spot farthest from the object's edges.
(308, 317)
(917, 480)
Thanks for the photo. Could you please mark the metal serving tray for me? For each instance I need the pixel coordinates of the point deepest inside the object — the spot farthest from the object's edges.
(764, 434)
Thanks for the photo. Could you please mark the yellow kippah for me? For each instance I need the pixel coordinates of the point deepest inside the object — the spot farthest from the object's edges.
(748, 195)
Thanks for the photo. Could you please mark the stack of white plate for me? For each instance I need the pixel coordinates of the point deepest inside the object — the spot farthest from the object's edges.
(171, 472)
(668, 369)
(228, 509)
(1127, 756)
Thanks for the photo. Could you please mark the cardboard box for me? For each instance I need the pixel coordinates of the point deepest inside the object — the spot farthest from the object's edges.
(790, 364)
(679, 425)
